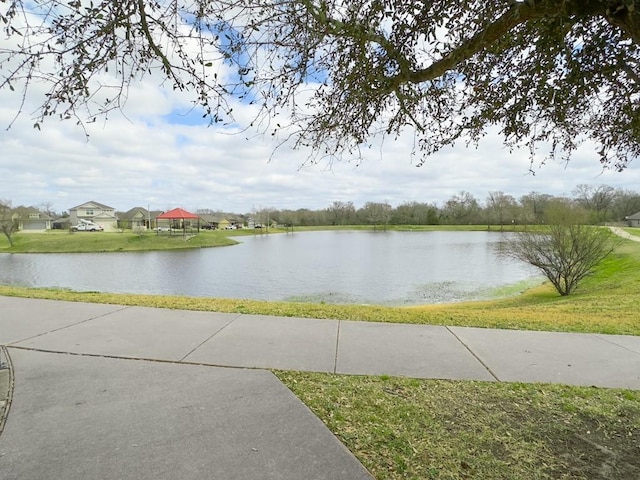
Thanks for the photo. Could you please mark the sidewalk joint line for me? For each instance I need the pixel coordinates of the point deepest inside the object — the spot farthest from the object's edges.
(69, 326)
(486, 367)
(601, 336)
(210, 337)
(137, 359)
(335, 360)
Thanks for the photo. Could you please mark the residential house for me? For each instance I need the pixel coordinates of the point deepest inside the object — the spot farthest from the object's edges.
(237, 222)
(633, 220)
(95, 212)
(31, 219)
(138, 218)
(209, 221)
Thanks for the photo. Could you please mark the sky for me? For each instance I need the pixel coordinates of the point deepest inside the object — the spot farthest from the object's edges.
(157, 154)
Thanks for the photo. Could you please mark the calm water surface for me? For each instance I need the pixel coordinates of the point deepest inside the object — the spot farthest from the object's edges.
(389, 268)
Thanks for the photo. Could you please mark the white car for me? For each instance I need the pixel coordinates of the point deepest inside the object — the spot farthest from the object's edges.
(87, 227)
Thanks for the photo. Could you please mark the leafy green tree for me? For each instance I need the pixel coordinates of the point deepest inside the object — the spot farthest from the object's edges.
(415, 213)
(548, 74)
(566, 250)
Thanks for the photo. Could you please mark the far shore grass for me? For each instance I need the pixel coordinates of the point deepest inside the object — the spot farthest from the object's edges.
(64, 241)
(99, 242)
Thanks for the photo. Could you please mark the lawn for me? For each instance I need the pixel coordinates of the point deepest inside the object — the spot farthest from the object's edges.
(436, 429)
(81, 242)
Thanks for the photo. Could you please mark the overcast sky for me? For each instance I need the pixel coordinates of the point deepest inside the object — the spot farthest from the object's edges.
(160, 156)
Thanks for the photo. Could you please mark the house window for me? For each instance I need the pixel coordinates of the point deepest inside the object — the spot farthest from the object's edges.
(34, 215)
(89, 212)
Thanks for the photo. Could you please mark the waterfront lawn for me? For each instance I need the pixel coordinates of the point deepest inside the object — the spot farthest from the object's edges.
(88, 242)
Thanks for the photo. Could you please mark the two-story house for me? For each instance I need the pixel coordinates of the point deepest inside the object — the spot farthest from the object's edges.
(95, 212)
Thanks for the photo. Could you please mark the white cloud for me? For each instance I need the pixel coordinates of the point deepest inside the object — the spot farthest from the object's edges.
(142, 159)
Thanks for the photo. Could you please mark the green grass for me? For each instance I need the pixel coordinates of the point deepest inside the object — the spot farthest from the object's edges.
(633, 231)
(435, 429)
(413, 228)
(83, 242)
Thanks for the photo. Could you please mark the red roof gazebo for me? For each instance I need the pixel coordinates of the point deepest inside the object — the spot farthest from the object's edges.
(179, 216)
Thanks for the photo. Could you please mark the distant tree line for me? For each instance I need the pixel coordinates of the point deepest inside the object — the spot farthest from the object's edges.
(601, 203)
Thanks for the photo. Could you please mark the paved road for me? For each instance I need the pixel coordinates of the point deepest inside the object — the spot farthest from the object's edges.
(106, 391)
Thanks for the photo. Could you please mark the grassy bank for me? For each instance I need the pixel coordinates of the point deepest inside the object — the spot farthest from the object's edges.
(88, 242)
(434, 429)
(605, 303)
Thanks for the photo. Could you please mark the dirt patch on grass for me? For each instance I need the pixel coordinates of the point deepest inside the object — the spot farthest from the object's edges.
(602, 453)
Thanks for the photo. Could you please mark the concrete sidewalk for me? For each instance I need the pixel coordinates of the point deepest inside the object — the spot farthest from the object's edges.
(264, 342)
(85, 406)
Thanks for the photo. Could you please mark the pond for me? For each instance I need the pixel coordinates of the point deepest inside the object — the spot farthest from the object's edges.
(384, 268)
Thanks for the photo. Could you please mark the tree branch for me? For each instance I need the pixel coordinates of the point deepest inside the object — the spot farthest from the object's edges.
(518, 13)
(147, 33)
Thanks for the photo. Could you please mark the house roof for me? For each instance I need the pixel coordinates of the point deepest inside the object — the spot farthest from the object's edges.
(24, 213)
(211, 218)
(177, 213)
(92, 202)
(129, 214)
(635, 216)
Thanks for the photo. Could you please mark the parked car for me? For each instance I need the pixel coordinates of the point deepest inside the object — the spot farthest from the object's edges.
(87, 227)
(163, 229)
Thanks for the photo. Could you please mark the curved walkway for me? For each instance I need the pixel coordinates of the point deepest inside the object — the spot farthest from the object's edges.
(106, 391)
(621, 233)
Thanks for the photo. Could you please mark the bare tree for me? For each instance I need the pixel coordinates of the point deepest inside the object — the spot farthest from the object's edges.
(502, 206)
(566, 250)
(341, 213)
(376, 213)
(8, 224)
(461, 208)
(550, 74)
(598, 199)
